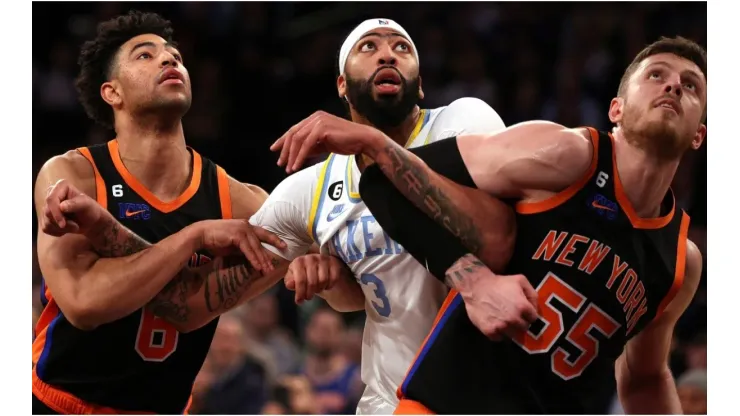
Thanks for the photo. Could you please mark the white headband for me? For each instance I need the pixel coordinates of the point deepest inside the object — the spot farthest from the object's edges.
(362, 29)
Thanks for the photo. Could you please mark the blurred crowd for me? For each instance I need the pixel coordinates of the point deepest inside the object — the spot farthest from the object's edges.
(259, 68)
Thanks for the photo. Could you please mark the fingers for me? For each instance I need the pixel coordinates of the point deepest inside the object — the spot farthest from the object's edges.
(306, 148)
(269, 237)
(530, 294)
(322, 275)
(334, 272)
(299, 276)
(54, 197)
(76, 204)
(284, 142)
(289, 279)
(299, 140)
(250, 245)
(311, 266)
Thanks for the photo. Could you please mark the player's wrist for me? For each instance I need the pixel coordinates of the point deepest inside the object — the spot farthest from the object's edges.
(374, 142)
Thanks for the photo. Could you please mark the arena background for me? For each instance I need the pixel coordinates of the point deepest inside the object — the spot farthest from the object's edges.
(258, 68)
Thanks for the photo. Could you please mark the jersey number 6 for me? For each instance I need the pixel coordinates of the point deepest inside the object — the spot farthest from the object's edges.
(563, 363)
(156, 339)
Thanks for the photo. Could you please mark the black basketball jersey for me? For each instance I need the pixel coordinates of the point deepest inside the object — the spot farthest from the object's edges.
(602, 274)
(139, 362)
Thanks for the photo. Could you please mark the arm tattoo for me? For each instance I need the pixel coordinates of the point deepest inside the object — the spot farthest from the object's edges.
(462, 268)
(224, 281)
(117, 241)
(426, 192)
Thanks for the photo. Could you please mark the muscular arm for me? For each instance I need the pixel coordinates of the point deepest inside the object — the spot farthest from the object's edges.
(644, 381)
(92, 290)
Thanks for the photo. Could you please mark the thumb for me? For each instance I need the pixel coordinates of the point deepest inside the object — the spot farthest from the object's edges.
(73, 205)
(289, 280)
(268, 237)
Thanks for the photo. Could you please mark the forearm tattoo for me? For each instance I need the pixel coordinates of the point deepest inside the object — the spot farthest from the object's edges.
(464, 267)
(427, 193)
(117, 241)
(224, 281)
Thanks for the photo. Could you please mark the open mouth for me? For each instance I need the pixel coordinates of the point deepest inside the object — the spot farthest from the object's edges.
(669, 104)
(171, 76)
(387, 81)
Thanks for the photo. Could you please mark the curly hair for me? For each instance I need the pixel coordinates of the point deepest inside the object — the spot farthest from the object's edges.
(97, 57)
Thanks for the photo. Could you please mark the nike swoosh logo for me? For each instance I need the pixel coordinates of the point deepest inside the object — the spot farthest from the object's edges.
(599, 206)
(333, 215)
(131, 214)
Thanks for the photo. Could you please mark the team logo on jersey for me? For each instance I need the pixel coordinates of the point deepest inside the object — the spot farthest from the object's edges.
(603, 206)
(130, 211)
(338, 209)
(335, 190)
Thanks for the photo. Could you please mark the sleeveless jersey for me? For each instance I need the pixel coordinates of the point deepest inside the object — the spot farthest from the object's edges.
(321, 205)
(602, 274)
(140, 362)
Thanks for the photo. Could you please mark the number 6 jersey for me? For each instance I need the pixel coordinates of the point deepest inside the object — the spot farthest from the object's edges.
(139, 363)
(602, 274)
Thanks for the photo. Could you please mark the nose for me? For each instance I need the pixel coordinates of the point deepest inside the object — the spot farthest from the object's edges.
(673, 86)
(168, 59)
(386, 56)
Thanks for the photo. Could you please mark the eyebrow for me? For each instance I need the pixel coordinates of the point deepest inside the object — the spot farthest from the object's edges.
(689, 72)
(151, 44)
(388, 35)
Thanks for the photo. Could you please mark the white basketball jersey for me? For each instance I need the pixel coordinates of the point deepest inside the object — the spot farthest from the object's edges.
(321, 204)
(402, 298)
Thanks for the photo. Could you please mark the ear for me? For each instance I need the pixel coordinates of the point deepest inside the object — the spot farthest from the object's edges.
(421, 91)
(341, 86)
(701, 134)
(111, 93)
(616, 108)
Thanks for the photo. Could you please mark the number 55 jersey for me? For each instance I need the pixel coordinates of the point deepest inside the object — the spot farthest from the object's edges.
(602, 274)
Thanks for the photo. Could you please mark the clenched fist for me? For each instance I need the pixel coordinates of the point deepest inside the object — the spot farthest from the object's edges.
(311, 274)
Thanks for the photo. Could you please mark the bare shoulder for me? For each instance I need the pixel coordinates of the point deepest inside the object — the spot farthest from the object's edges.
(246, 199)
(71, 166)
(692, 278)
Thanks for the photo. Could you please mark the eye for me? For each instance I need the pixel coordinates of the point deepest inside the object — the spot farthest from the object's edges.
(177, 56)
(403, 47)
(654, 75)
(689, 85)
(367, 46)
(145, 55)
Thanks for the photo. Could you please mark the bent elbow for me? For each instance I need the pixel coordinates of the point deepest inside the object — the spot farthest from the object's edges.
(83, 317)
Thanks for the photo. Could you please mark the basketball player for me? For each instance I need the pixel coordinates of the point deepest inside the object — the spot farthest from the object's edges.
(599, 236)
(97, 349)
(379, 79)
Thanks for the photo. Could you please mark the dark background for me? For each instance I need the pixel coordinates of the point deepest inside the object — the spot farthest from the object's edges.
(258, 68)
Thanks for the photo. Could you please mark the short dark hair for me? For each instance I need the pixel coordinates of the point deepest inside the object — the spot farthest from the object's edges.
(679, 46)
(97, 56)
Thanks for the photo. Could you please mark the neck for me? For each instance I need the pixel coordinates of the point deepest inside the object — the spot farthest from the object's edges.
(399, 134)
(155, 154)
(645, 177)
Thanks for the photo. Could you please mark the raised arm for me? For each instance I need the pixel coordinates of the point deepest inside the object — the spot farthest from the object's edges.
(644, 380)
(91, 290)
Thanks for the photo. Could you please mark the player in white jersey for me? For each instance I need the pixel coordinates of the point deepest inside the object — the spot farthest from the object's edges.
(379, 79)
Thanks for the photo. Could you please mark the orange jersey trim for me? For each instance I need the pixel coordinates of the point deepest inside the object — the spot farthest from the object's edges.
(145, 194)
(442, 310)
(411, 407)
(624, 202)
(678, 279)
(563, 196)
(51, 311)
(224, 194)
(101, 195)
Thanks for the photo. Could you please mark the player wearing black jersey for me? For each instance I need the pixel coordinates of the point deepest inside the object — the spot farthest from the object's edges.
(129, 334)
(599, 235)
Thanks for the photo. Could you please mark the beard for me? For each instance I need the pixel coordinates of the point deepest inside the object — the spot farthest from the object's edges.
(657, 136)
(385, 111)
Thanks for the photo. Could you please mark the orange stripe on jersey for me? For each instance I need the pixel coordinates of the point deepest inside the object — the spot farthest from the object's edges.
(624, 202)
(67, 404)
(683, 237)
(150, 198)
(223, 193)
(412, 407)
(101, 195)
(51, 311)
(436, 326)
(564, 195)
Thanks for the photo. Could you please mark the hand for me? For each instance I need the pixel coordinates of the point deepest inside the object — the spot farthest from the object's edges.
(321, 133)
(497, 305)
(67, 210)
(224, 237)
(311, 274)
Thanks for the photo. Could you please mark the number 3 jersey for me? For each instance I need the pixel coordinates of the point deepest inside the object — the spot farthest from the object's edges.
(139, 363)
(321, 204)
(602, 274)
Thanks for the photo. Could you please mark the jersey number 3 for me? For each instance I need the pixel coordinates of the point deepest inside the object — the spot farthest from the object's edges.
(384, 308)
(563, 363)
(156, 339)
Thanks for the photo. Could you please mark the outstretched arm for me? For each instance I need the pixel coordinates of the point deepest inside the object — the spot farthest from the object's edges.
(644, 381)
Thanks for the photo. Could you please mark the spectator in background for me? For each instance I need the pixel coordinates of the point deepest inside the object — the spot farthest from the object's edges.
(335, 379)
(696, 353)
(292, 395)
(261, 322)
(692, 391)
(232, 381)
